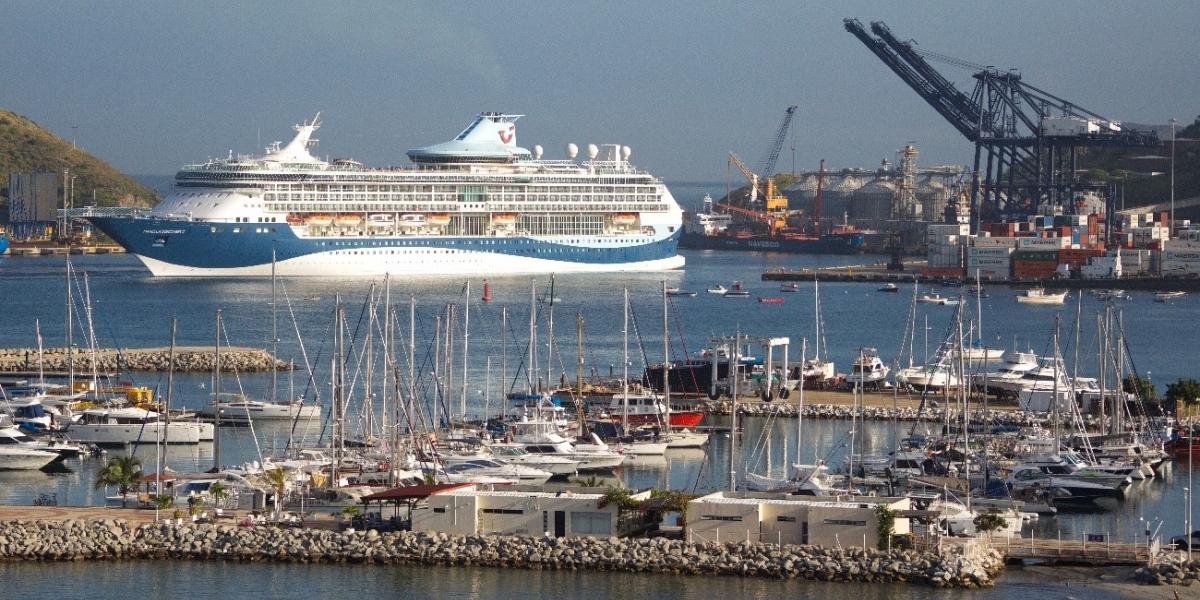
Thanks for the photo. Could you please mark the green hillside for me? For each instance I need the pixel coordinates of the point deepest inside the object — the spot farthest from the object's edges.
(27, 148)
(1130, 169)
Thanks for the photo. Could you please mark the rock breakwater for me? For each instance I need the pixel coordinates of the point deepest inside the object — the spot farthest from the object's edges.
(117, 539)
(113, 360)
(996, 418)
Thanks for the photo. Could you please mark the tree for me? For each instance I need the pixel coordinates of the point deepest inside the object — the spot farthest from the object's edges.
(1187, 390)
(277, 479)
(122, 471)
(886, 521)
(1144, 389)
(988, 522)
(219, 493)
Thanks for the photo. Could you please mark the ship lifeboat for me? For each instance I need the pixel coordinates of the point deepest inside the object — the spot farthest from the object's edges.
(504, 219)
(624, 219)
(380, 220)
(438, 219)
(412, 220)
(319, 220)
(347, 220)
(294, 219)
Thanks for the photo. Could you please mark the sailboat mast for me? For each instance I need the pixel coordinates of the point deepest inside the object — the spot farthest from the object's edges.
(217, 397)
(550, 337)
(532, 366)
(625, 367)
(70, 342)
(466, 347)
(167, 409)
(274, 334)
(666, 363)
(339, 398)
(800, 406)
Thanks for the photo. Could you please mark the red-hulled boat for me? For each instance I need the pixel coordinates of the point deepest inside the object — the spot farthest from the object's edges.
(647, 409)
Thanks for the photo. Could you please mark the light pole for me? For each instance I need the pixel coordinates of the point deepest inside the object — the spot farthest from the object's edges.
(1171, 225)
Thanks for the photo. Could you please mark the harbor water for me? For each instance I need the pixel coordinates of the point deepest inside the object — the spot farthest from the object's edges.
(129, 309)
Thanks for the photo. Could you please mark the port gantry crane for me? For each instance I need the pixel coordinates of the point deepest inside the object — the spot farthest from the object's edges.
(1026, 140)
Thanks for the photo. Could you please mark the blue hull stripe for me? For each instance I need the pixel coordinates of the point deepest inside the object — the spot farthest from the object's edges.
(207, 245)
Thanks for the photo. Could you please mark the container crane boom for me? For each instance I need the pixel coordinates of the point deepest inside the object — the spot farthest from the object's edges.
(768, 165)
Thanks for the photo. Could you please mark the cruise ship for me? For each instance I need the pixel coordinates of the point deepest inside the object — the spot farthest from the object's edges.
(478, 204)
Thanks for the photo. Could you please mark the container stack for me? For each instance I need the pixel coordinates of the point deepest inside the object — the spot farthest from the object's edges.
(945, 243)
(1181, 258)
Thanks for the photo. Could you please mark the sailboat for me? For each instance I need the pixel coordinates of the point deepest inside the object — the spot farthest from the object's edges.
(816, 373)
(638, 447)
(804, 479)
(676, 437)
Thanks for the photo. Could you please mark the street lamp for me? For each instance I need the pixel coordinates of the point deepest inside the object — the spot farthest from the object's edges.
(1171, 225)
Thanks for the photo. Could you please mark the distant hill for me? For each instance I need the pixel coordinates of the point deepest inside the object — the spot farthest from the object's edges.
(26, 147)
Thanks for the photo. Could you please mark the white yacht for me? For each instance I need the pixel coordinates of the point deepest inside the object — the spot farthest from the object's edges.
(120, 426)
(1016, 365)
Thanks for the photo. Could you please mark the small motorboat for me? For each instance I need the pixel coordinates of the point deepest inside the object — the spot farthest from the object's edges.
(680, 293)
(1111, 295)
(889, 287)
(789, 287)
(717, 289)
(737, 291)
(1165, 296)
(938, 299)
(770, 300)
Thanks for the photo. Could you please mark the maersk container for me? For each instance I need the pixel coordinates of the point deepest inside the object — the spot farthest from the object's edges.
(977, 251)
(988, 261)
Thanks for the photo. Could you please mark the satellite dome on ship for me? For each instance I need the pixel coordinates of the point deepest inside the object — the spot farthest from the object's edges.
(491, 138)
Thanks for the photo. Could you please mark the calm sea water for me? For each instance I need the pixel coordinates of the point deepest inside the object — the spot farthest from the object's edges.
(131, 309)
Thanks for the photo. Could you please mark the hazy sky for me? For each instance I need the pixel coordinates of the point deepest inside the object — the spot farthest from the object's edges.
(152, 85)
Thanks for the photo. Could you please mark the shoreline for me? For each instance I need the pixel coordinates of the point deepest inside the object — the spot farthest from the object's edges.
(431, 549)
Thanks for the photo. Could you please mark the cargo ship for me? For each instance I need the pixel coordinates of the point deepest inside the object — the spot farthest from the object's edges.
(474, 205)
(710, 230)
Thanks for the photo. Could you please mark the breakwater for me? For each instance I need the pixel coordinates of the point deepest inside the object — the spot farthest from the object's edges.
(1010, 418)
(113, 360)
(110, 539)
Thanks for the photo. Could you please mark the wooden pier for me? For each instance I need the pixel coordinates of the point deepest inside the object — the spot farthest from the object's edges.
(1078, 552)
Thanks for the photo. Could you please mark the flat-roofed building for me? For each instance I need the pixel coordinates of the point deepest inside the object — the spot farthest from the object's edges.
(788, 519)
(468, 511)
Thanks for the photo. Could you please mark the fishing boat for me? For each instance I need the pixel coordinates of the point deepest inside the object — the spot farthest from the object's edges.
(1040, 296)
(478, 204)
(789, 287)
(889, 288)
(1166, 296)
(717, 289)
(737, 291)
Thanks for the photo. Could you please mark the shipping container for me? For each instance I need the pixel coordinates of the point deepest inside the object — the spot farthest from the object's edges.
(989, 261)
(1039, 255)
(986, 273)
(933, 271)
(1181, 255)
(990, 251)
(1043, 243)
(1173, 245)
(996, 242)
(1173, 267)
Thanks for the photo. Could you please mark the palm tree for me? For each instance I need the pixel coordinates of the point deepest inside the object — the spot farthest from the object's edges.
(277, 479)
(121, 471)
(219, 493)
